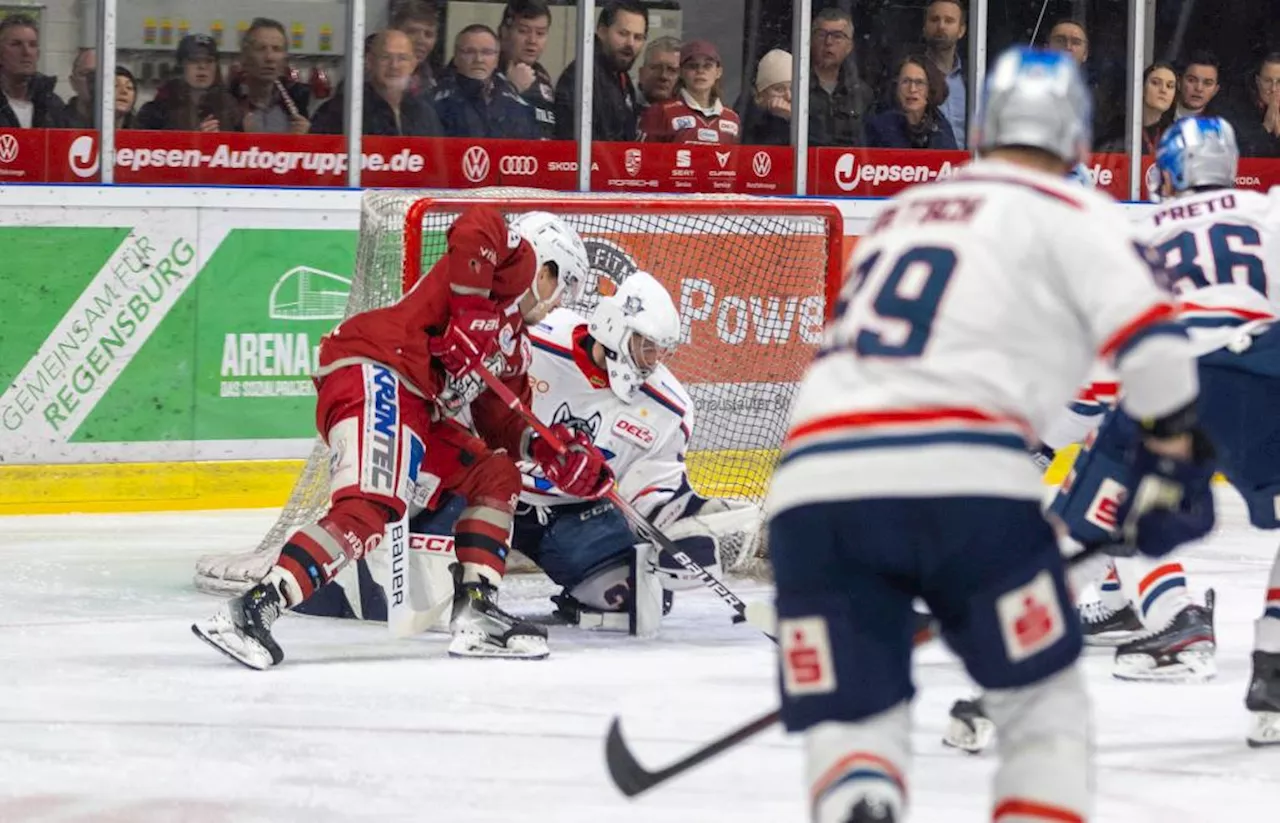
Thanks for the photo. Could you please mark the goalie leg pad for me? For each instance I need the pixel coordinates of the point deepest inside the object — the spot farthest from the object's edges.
(576, 543)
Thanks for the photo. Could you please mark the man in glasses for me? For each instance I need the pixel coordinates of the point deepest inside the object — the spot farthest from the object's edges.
(838, 98)
(474, 100)
(390, 106)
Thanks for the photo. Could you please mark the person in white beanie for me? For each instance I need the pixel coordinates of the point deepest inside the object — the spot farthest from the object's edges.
(767, 116)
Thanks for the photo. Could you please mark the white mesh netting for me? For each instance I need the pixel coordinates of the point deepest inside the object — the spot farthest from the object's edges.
(749, 275)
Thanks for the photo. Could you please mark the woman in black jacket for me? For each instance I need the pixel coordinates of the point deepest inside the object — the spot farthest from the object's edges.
(912, 120)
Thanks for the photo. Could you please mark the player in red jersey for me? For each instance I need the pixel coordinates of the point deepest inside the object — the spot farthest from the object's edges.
(394, 385)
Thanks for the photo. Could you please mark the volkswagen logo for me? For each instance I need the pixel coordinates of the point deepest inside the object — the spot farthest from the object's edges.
(522, 165)
(762, 164)
(475, 164)
(8, 148)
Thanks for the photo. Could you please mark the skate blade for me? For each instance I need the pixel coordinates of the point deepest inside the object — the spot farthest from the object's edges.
(1191, 667)
(221, 634)
(517, 648)
(1109, 640)
(970, 740)
(1266, 730)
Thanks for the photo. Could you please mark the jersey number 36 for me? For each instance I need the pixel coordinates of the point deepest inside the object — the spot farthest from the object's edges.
(904, 306)
(1186, 271)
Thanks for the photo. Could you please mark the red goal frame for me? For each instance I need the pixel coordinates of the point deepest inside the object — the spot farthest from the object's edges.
(412, 266)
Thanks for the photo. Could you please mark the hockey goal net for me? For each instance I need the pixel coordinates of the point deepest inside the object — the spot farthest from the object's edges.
(752, 278)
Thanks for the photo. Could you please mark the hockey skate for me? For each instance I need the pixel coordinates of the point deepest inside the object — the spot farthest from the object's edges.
(1108, 627)
(481, 629)
(1263, 700)
(871, 811)
(242, 628)
(1182, 652)
(969, 730)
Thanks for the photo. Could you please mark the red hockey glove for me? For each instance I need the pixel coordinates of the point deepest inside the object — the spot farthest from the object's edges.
(472, 334)
(582, 471)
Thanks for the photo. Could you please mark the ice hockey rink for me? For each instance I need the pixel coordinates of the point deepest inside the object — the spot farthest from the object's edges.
(110, 710)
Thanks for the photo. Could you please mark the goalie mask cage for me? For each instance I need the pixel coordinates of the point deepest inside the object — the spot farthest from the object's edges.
(753, 278)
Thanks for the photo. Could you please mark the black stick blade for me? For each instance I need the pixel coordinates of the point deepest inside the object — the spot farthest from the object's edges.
(627, 773)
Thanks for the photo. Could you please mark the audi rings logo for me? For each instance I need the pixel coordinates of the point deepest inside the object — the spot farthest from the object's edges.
(762, 164)
(475, 164)
(8, 148)
(522, 165)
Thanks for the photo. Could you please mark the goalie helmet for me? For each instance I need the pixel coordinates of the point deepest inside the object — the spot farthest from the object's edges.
(1199, 151)
(638, 326)
(1036, 98)
(554, 241)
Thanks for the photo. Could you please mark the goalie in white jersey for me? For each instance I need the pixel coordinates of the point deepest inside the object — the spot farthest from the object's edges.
(605, 376)
(973, 310)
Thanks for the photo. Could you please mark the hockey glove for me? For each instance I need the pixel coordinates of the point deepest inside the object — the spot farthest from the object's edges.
(472, 334)
(582, 471)
(1173, 503)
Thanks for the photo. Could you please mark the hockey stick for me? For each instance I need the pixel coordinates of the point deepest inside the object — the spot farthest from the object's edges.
(643, 527)
(631, 778)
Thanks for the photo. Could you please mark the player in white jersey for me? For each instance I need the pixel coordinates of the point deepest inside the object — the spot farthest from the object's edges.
(602, 377)
(605, 376)
(1223, 250)
(974, 308)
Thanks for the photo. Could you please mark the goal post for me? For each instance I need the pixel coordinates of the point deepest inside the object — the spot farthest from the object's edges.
(754, 280)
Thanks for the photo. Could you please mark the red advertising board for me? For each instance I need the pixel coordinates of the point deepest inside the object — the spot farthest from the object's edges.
(234, 159)
(885, 172)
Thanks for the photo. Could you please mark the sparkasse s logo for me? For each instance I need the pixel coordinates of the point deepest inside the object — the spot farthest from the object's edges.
(475, 164)
(8, 148)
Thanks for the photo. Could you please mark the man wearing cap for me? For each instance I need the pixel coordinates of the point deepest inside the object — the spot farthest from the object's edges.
(766, 113)
(195, 100)
(697, 114)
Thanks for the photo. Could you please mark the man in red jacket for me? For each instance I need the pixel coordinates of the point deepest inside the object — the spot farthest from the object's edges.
(392, 383)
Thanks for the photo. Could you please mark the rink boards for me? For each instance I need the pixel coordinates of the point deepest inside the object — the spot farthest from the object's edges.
(159, 345)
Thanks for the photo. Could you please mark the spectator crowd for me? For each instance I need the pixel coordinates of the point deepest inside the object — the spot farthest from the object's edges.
(495, 86)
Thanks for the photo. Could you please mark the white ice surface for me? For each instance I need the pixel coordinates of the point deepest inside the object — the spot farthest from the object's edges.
(110, 710)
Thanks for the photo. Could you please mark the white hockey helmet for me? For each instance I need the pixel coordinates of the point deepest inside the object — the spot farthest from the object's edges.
(638, 325)
(554, 241)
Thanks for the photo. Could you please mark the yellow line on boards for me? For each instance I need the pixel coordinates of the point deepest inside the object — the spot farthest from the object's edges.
(247, 484)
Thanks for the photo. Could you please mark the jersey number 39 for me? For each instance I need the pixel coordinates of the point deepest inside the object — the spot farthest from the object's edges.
(908, 298)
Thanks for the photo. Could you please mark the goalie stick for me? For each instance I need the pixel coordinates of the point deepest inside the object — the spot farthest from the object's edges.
(643, 527)
(632, 779)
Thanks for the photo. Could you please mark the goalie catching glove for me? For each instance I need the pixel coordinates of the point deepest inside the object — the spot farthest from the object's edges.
(472, 334)
(582, 471)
